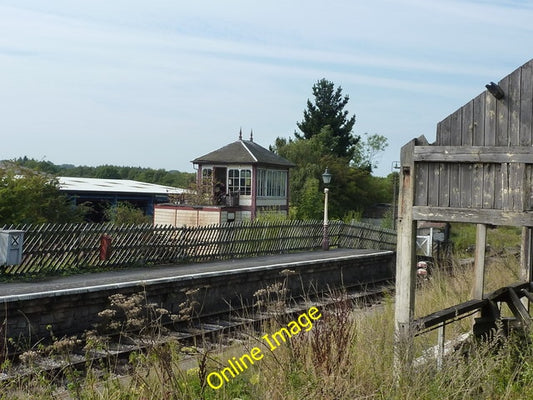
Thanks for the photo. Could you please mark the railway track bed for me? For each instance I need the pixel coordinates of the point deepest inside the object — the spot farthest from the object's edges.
(61, 357)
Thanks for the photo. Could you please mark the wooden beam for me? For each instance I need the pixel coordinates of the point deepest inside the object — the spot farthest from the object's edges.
(474, 154)
(527, 294)
(441, 339)
(501, 294)
(449, 313)
(526, 260)
(486, 305)
(405, 260)
(518, 309)
(479, 261)
(473, 215)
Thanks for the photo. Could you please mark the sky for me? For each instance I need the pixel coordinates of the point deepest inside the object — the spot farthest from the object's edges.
(158, 83)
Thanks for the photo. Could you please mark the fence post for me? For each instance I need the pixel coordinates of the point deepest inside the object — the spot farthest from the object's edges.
(479, 261)
(526, 259)
(441, 338)
(405, 262)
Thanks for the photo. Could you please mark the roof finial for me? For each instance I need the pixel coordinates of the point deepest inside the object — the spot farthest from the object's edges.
(252, 135)
(240, 134)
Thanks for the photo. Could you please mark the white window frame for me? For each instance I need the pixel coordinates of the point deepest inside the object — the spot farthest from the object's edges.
(271, 183)
(240, 181)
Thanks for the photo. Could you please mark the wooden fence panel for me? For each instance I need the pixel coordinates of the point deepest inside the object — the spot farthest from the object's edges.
(62, 247)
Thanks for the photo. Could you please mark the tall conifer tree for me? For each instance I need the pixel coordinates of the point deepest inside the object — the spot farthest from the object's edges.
(328, 110)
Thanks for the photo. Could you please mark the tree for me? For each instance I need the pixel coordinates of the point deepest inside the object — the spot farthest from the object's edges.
(353, 188)
(31, 197)
(327, 141)
(308, 155)
(107, 172)
(126, 213)
(311, 204)
(366, 151)
(160, 176)
(328, 110)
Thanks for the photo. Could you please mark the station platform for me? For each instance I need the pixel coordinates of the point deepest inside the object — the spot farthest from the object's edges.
(145, 275)
(71, 304)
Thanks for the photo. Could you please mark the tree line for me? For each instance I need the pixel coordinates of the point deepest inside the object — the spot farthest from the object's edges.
(148, 175)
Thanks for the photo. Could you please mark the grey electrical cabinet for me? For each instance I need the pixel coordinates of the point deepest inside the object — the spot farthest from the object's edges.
(11, 242)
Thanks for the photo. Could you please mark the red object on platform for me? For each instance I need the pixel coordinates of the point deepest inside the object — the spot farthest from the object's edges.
(105, 247)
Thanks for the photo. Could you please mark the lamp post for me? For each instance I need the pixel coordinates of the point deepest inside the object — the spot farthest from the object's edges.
(395, 165)
(326, 178)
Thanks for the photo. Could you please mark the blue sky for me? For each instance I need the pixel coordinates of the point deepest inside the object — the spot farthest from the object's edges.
(157, 84)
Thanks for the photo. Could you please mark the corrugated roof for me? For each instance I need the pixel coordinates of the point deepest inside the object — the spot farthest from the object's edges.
(243, 152)
(72, 184)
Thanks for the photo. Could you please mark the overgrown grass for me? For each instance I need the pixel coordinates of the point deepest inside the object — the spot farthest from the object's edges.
(346, 354)
(500, 240)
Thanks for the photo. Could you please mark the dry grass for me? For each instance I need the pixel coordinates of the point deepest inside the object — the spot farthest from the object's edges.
(314, 367)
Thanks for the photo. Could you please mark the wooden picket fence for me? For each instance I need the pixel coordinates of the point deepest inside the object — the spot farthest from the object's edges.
(62, 247)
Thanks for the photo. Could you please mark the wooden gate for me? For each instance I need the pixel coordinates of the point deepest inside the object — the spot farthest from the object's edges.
(479, 170)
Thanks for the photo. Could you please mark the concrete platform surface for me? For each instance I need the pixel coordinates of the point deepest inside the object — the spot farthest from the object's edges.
(11, 291)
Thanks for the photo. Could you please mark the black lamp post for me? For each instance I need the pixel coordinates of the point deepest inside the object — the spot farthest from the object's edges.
(326, 178)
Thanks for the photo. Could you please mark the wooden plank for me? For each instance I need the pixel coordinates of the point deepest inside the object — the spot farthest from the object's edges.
(513, 99)
(478, 134)
(466, 185)
(526, 255)
(449, 313)
(455, 185)
(474, 154)
(490, 119)
(517, 183)
(406, 258)
(421, 184)
(489, 186)
(455, 181)
(475, 216)
(528, 187)
(441, 341)
(498, 188)
(479, 261)
(518, 309)
(467, 124)
(434, 184)
(456, 311)
(444, 188)
(506, 195)
(526, 105)
(502, 113)
(477, 185)
(444, 132)
(526, 261)
(437, 192)
(456, 125)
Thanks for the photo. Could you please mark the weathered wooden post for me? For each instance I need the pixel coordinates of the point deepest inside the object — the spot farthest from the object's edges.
(479, 261)
(526, 259)
(405, 260)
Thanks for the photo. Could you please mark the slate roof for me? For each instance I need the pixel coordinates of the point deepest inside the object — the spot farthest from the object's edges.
(243, 152)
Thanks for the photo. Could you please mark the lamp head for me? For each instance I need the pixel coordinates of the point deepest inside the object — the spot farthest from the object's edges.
(326, 177)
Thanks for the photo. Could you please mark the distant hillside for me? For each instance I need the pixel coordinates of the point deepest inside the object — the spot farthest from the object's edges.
(149, 175)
